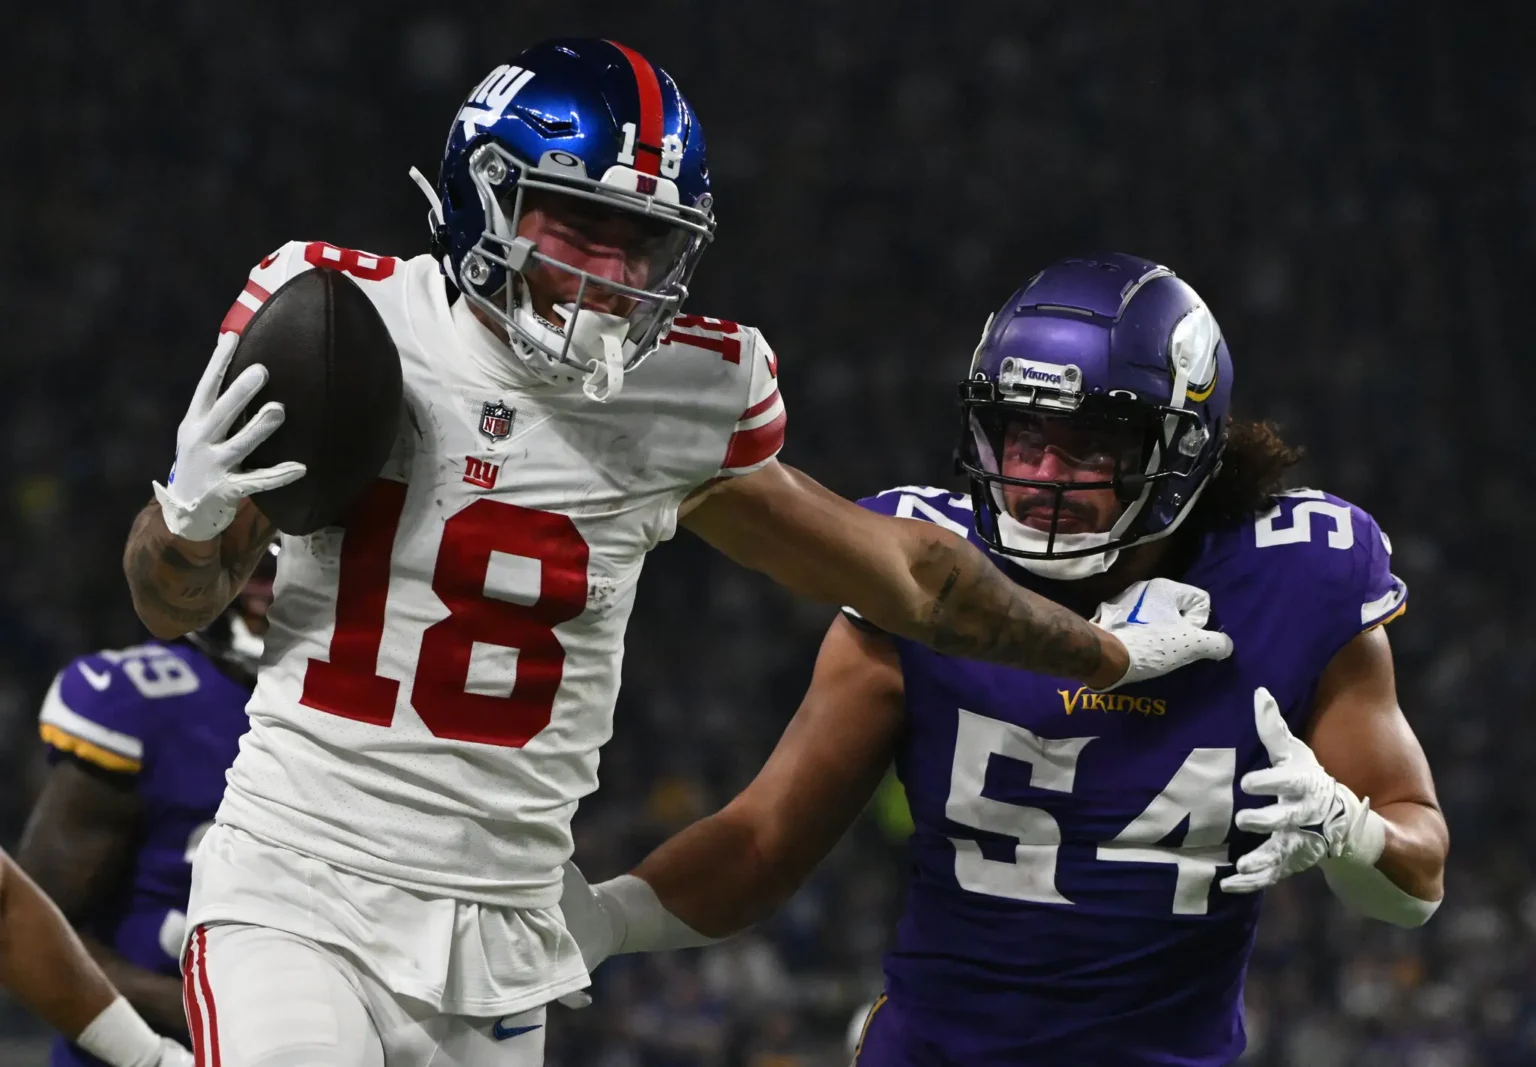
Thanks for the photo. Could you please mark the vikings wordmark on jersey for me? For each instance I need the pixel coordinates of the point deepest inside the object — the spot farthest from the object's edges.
(1068, 843)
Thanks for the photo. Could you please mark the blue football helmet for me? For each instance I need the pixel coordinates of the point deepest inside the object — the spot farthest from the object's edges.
(1109, 370)
(591, 131)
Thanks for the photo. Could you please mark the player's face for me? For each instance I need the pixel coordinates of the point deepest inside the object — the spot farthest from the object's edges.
(605, 242)
(1043, 448)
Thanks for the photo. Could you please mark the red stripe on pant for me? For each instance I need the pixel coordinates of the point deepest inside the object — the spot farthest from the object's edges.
(189, 999)
(194, 980)
(648, 143)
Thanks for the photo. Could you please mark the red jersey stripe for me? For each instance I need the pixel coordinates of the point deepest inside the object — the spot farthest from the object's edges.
(760, 407)
(245, 305)
(751, 447)
(648, 143)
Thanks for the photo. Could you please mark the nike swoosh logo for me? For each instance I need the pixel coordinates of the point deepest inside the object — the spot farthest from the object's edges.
(501, 1032)
(1131, 618)
(99, 682)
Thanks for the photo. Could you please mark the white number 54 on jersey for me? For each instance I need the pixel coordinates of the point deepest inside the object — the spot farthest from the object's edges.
(1200, 790)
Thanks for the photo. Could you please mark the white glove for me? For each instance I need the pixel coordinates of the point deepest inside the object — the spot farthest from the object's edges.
(174, 1055)
(589, 923)
(587, 917)
(1161, 624)
(206, 482)
(1313, 817)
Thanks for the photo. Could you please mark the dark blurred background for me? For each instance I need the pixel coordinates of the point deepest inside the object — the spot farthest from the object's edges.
(1351, 186)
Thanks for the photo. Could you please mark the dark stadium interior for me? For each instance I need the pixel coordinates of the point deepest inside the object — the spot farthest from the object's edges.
(1350, 185)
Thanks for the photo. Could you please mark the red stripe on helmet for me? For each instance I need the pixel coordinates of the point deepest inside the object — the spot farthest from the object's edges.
(648, 143)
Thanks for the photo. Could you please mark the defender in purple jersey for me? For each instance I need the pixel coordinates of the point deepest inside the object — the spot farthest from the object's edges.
(1085, 865)
(139, 740)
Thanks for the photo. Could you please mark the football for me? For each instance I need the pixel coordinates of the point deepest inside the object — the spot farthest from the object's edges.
(332, 364)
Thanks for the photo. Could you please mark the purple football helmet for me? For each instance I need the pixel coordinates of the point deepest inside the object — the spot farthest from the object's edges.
(1094, 414)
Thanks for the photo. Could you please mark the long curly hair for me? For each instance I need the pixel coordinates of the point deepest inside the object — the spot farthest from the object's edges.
(1254, 467)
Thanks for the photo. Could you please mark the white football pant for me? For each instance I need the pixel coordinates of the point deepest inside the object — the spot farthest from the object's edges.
(258, 997)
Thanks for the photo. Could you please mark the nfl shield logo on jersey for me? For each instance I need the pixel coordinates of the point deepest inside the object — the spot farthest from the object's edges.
(496, 420)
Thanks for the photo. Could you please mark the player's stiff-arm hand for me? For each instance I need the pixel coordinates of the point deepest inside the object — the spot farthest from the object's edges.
(43, 965)
(921, 582)
(1359, 800)
(193, 547)
(726, 872)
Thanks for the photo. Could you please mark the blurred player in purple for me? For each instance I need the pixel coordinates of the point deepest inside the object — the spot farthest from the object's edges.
(1086, 866)
(139, 740)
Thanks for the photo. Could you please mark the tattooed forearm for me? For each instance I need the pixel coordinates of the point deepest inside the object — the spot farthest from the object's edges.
(978, 613)
(180, 585)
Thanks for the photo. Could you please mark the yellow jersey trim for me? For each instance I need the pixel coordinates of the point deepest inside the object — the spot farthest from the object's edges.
(78, 746)
(873, 1009)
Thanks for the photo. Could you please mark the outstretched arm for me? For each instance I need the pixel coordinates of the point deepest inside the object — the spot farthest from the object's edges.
(726, 872)
(907, 577)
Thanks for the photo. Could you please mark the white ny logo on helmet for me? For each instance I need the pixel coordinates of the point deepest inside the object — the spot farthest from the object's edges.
(492, 97)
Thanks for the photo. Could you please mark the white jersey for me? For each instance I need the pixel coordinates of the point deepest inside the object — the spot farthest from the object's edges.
(441, 670)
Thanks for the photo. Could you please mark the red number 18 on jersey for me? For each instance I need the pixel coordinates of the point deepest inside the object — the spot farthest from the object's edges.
(349, 683)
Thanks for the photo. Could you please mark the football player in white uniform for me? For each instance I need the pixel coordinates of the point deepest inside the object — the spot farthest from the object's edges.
(382, 884)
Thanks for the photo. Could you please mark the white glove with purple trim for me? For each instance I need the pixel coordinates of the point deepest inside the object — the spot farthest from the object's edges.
(1161, 624)
(1313, 817)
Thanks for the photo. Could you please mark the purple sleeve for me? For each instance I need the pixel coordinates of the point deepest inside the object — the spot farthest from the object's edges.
(1340, 570)
(94, 713)
(925, 502)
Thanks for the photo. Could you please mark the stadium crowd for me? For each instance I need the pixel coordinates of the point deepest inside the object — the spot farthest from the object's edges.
(1351, 185)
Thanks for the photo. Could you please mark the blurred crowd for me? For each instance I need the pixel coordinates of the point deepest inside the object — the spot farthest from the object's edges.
(1351, 186)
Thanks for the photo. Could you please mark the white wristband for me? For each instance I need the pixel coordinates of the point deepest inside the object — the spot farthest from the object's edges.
(1365, 834)
(1355, 880)
(1374, 895)
(121, 1037)
(641, 923)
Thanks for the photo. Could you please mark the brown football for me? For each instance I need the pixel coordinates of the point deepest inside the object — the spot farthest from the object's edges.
(332, 364)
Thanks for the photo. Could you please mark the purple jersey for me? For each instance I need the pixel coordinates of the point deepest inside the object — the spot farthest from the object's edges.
(1063, 906)
(163, 715)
